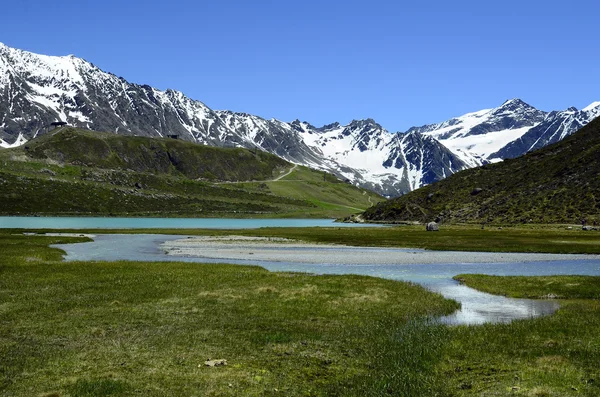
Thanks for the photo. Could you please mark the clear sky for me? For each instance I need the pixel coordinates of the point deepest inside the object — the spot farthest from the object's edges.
(402, 63)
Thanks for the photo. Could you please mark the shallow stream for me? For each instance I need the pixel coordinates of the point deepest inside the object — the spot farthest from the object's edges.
(477, 307)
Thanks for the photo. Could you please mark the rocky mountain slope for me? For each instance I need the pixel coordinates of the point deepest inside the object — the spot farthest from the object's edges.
(556, 184)
(508, 131)
(36, 90)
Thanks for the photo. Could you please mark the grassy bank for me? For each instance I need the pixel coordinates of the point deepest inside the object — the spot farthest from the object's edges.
(551, 356)
(536, 287)
(124, 328)
(550, 239)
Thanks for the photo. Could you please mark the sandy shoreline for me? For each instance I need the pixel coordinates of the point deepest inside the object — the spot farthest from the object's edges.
(284, 250)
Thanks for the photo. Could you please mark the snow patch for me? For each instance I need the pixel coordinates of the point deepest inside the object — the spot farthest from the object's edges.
(592, 106)
(18, 142)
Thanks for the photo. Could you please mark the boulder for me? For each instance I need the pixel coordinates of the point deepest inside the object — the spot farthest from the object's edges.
(215, 363)
(476, 191)
(47, 171)
(433, 227)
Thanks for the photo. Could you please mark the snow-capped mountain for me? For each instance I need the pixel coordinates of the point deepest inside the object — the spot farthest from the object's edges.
(36, 90)
(554, 127)
(400, 162)
(508, 131)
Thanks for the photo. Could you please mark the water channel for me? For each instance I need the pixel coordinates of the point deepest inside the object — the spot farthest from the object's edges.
(477, 307)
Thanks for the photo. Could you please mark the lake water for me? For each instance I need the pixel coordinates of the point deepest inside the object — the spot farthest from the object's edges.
(477, 307)
(29, 222)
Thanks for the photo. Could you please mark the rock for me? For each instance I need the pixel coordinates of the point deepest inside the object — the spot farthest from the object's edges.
(47, 171)
(476, 191)
(215, 363)
(433, 227)
(588, 228)
(138, 185)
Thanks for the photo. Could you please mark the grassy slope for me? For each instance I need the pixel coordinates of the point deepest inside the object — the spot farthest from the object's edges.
(557, 184)
(322, 190)
(123, 328)
(77, 172)
(152, 155)
(551, 356)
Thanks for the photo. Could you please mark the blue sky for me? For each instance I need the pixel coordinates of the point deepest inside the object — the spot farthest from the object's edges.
(401, 63)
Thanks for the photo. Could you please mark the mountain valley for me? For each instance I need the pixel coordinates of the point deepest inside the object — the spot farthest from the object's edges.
(36, 90)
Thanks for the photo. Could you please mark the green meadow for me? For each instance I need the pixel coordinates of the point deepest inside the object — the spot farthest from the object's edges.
(125, 328)
(559, 239)
(134, 328)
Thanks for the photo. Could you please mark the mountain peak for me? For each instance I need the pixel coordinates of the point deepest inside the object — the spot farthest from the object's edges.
(302, 126)
(515, 103)
(364, 123)
(591, 106)
(329, 127)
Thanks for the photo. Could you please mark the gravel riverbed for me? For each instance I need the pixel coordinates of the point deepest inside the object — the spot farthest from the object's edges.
(284, 250)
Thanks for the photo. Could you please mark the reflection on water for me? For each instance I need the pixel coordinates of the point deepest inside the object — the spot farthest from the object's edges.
(477, 307)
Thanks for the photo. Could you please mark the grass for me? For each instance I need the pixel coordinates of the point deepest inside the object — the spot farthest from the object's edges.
(536, 287)
(123, 328)
(84, 173)
(549, 239)
(324, 191)
(130, 328)
(550, 356)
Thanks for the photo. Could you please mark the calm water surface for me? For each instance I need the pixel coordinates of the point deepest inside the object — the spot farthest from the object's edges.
(30, 222)
(477, 307)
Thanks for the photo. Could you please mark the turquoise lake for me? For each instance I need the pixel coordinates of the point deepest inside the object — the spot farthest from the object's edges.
(30, 222)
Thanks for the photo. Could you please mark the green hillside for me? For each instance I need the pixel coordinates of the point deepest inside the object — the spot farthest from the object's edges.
(557, 184)
(78, 172)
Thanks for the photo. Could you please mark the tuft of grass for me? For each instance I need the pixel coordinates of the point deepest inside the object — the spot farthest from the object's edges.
(99, 388)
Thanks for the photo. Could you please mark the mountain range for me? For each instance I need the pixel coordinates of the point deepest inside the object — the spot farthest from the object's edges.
(558, 183)
(36, 90)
